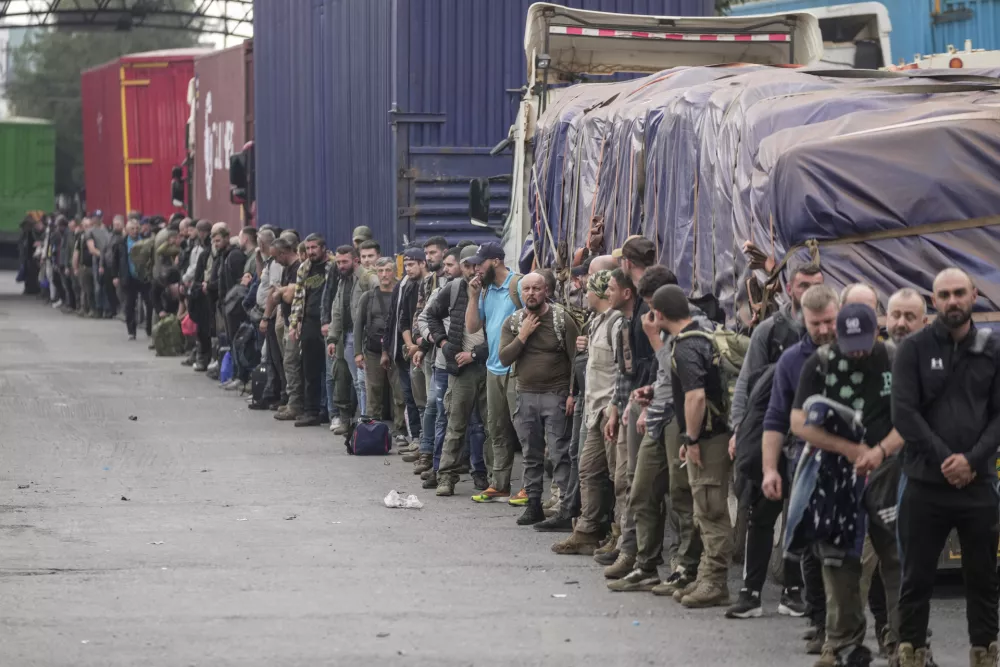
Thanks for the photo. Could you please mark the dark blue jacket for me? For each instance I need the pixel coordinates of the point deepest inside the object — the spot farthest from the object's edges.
(786, 381)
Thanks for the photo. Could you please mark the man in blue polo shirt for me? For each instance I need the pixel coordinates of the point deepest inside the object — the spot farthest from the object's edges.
(488, 309)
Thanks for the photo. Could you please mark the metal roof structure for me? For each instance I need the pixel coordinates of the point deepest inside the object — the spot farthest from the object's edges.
(232, 18)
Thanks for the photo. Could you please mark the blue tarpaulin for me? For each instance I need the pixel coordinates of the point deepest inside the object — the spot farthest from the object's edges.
(700, 160)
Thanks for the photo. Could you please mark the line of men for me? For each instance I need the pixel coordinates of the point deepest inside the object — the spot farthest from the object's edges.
(879, 446)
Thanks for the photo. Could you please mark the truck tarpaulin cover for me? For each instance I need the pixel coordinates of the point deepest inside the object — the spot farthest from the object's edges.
(869, 173)
(702, 159)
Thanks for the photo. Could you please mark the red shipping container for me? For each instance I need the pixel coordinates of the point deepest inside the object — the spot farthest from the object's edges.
(135, 113)
(219, 131)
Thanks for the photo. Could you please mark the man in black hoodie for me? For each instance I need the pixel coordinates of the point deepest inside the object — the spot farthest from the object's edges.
(946, 405)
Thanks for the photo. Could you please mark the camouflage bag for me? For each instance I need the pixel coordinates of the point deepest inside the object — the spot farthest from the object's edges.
(168, 340)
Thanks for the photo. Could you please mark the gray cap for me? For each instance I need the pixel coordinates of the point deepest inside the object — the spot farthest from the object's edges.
(468, 251)
(362, 233)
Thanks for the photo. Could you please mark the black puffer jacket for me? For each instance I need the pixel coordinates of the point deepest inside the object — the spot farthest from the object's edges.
(441, 308)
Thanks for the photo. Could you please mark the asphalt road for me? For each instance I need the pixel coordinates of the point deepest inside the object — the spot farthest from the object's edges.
(204, 534)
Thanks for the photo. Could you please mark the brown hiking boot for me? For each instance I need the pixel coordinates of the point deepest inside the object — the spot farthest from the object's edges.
(707, 594)
(445, 487)
(681, 592)
(426, 462)
(412, 457)
(287, 414)
(826, 659)
(983, 657)
(621, 567)
(577, 544)
(610, 542)
(907, 656)
(815, 645)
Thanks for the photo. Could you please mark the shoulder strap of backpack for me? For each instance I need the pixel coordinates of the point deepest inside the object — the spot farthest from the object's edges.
(454, 287)
(614, 319)
(515, 296)
(982, 339)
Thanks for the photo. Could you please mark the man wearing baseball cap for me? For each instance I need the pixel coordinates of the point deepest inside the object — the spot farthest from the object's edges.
(848, 378)
(465, 401)
(494, 295)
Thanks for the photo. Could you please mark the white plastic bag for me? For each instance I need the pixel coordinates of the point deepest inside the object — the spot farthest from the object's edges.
(394, 500)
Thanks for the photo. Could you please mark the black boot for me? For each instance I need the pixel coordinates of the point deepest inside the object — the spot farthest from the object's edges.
(533, 513)
(555, 524)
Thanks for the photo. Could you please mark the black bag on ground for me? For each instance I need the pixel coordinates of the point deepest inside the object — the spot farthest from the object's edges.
(370, 438)
(258, 383)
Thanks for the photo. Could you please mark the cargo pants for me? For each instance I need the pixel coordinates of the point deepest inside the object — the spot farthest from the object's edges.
(845, 609)
(377, 378)
(540, 421)
(466, 392)
(658, 474)
(882, 553)
(710, 492)
(293, 374)
(501, 400)
(628, 451)
(597, 467)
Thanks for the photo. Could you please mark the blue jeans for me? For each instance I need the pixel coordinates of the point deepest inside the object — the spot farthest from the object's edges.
(357, 374)
(412, 413)
(326, 398)
(438, 389)
(433, 412)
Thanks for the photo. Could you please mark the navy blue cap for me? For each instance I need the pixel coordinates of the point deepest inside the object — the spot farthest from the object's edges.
(487, 251)
(415, 254)
(857, 328)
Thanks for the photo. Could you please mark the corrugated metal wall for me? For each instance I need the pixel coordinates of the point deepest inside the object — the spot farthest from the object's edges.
(27, 170)
(913, 29)
(327, 74)
(157, 114)
(983, 28)
(100, 97)
(219, 129)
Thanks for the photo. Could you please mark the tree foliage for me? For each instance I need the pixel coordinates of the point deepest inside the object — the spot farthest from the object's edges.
(44, 82)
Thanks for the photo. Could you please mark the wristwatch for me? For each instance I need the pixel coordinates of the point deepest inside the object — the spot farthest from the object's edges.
(686, 440)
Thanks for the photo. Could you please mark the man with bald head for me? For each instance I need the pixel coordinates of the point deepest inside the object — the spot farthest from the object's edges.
(539, 342)
(946, 406)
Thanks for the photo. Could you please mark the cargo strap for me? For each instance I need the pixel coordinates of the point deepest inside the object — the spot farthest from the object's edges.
(771, 285)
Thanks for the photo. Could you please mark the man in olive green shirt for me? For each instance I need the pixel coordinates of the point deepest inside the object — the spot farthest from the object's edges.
(540, 342)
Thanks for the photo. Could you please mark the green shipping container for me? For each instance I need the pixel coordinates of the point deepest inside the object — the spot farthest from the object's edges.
(27, 171)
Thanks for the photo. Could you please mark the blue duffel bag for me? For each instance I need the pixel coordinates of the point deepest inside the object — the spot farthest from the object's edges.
(369, 438)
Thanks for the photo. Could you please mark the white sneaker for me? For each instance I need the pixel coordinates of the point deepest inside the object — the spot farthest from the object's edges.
(213, 366)
(335, 423)
(57, 304)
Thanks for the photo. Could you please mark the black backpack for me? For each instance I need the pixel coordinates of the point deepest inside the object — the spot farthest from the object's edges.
(749, 462)
(245, 352)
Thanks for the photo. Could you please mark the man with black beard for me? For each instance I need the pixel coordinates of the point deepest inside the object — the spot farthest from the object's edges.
(422, 367)
(946, 405)
(353, 281)
(541, 339)
(305, 326)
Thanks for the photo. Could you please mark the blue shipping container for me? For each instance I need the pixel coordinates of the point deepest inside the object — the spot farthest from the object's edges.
(915, 27)
(379, 112)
